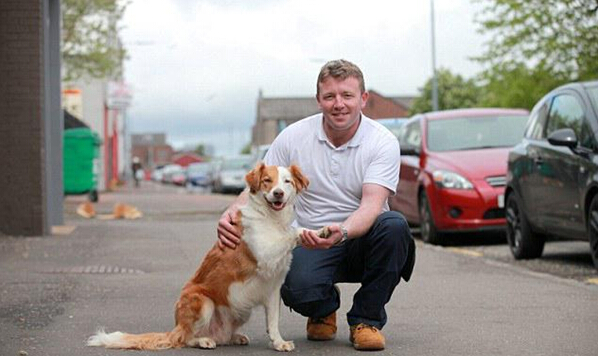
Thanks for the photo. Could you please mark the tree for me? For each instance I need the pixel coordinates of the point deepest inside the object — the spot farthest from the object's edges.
(453, 92)
(200, 150)
(246, 149)
(559, 36)
(514, 85)
(90, 41)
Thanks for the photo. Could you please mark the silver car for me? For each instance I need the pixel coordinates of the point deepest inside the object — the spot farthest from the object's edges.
(229, 175)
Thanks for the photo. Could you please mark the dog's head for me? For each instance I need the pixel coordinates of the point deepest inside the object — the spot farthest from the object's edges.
(277, 185)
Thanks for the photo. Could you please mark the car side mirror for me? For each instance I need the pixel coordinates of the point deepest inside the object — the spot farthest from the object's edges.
(563, 137)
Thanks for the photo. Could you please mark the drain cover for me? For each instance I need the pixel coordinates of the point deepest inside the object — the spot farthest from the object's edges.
(101, 269)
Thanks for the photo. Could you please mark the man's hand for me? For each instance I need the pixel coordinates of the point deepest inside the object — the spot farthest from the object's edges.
(324, 238)
(228, 232)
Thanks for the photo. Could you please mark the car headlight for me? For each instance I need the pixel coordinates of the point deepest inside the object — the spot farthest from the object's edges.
(451, 180)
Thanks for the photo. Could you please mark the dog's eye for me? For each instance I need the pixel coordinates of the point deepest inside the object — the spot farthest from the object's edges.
(287, 181)
(267, 180)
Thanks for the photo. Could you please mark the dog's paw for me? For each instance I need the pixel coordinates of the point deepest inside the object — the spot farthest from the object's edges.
(202, 343)
(283, 346)
(240, 339)
(324, 232)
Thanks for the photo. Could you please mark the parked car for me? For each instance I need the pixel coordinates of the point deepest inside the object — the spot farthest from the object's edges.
(393, 124)
(229, 176)
(170, 171)
(552, 180)
(259, 153)
(199, 175)
(453, 167)
(157, 173)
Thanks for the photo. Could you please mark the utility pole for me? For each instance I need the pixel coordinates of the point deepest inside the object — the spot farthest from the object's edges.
(434, 74)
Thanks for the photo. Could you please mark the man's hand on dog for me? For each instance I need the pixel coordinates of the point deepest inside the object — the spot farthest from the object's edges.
(230, 236)
(228, 232)
(324, 238)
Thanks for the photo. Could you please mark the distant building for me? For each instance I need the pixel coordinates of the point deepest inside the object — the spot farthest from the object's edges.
(274, 114)
(152, 149)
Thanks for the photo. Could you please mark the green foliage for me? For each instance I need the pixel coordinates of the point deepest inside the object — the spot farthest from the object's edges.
(453, 92)
(514, 85)
(536, 45)
(246, 149)
(90, 41)
(200, 150)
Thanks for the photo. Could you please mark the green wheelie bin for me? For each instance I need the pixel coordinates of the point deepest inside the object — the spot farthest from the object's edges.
(81, 154)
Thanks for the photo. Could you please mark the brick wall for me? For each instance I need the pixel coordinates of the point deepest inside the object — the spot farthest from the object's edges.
(379, 107)
(22, 191)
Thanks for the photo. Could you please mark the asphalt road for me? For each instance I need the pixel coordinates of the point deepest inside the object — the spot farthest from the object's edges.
(467, 299)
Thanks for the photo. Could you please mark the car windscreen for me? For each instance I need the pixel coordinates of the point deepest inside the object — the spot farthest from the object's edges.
(470, 133)
(394, 125)
(199, 168)
(236, 163)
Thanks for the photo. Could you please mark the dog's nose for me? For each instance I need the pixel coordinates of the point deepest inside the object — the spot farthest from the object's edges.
(278, 193)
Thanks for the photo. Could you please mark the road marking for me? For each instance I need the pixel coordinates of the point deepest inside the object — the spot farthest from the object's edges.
(62, 229)
(592, 281)
(464, 251)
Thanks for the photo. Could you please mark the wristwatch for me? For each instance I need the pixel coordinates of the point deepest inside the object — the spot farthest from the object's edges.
(345, 236)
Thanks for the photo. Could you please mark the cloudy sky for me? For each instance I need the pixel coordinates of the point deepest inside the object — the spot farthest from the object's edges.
(196, 67)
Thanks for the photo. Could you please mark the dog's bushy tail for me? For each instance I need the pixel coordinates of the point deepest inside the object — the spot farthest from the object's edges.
(149, 341)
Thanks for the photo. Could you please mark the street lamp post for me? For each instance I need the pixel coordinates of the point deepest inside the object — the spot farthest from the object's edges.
(434, 74)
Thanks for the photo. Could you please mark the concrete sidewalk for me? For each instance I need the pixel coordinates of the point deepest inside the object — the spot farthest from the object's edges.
(126, 275)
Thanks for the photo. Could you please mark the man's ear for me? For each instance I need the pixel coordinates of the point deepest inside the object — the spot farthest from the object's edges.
(253, 178)
(301, 181)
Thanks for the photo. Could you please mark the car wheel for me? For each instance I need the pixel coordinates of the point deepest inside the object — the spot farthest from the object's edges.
(523, 242)
(428, 230)
(593, 229)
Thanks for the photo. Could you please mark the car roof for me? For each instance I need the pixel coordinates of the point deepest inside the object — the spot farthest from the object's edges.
(591, 83)
(473, 112)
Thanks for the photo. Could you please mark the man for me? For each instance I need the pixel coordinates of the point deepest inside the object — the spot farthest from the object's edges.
(352, 163)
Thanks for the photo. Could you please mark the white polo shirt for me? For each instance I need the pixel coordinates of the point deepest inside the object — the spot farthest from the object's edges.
(336, 174)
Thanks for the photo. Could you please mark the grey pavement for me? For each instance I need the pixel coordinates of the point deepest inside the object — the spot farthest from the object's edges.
(126, 275)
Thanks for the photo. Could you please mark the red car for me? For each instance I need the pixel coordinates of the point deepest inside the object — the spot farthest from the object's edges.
(453, 168)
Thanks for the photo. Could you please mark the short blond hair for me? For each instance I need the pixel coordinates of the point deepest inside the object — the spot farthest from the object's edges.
(340, 69)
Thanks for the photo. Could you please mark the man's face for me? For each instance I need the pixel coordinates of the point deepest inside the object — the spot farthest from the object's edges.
(341, 102)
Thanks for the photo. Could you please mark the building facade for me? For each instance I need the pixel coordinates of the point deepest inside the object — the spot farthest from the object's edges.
(274, 114)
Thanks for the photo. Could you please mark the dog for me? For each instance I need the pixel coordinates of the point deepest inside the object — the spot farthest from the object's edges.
(229, 283)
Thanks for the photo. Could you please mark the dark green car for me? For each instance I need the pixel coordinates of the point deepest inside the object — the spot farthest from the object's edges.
(552, 178)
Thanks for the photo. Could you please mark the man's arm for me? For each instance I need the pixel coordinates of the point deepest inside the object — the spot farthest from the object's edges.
(357, 224)
(228, 233)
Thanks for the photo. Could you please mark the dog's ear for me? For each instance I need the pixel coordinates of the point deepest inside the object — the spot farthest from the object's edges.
(253, 178)
(301, 181)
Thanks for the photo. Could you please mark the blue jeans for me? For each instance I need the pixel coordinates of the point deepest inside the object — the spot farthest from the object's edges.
(377, 260)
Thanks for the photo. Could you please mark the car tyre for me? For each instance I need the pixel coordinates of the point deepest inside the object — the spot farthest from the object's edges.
(523, 242)
(93, 196)
(593, 229)
(428, 230)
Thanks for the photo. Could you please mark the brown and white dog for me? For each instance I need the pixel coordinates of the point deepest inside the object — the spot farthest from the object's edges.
(231, 282)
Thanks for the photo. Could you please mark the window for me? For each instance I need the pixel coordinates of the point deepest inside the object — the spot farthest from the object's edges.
(410, 136)
(565, 112)
(537, 122)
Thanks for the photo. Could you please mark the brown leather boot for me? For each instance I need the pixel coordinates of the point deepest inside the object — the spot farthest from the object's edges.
(322, 329)
(367, 337)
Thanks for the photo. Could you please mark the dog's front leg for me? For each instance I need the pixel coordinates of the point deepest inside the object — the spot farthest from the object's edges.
(272, 317)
